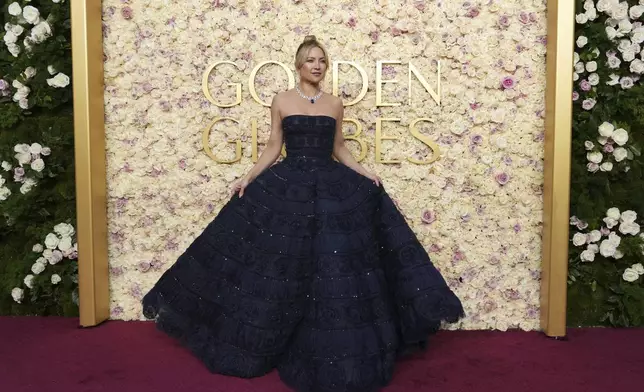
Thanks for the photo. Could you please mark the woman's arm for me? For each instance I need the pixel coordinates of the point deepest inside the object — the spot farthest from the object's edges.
(273, 146)
(340, 150)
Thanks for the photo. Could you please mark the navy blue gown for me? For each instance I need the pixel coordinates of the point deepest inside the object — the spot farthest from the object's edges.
(314, 271)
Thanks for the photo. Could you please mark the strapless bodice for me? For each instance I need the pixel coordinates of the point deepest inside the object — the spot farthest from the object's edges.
(309, 136)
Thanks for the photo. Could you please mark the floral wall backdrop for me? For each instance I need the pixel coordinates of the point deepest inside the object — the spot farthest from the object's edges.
(477, 209)
(606, 286)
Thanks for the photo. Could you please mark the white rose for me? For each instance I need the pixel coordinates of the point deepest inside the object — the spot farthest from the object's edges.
(594, 236)
(6, 166)
(51, 241)
(606, 129)
(579, 239)
(64, 230)
(56, 257)
(10, 38)
(35, 148)
(592, 167)
(51, 69)
(631, 228)
(613, 62)
(581, 18)
(591, 14)
(593, 79)
(620, 154)
(31, 14)
(37, 268)
(14, 49)
(55, 279)
(579, 67)
(40, 32)
(582, 41)
(589, 145)
(639, 268)
(17, 294)
(618, 254)
(626, 82)
(575, 76)
(59, 81)
(620, 11)
(624, 26)
(606, 166)
(620, 136)
(610, 222)
(38, 165)
(611, 33)
(4, 193)
(587, 255)
(23, 158)
(630, 275)
(593, 248)
(29, 281)
(15, 9)
(575, 57)
(46, 151)
(614, 239)
(637, 66)
(613, 213)
(65, 244)
(636, 11)
(628, 216)
(591, 66)
(38, 248)
(607, 249)
(594, 157)
(30, 72)
(614, 80)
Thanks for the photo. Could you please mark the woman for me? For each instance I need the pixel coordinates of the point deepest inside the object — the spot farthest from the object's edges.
(309, 268)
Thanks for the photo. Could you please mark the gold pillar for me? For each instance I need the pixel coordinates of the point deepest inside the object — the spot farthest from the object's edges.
(89, 139)
(556, 192)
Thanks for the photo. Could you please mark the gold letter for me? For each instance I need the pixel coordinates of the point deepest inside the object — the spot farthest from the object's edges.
(436, 96)
(436, 153)
(251, 80)
(206, 89)
(363, 145)
(363, 75)
(206, 143)
(380, 82)
(380, 138)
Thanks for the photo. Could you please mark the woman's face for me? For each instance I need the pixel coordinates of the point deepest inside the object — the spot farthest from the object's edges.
(314, 67)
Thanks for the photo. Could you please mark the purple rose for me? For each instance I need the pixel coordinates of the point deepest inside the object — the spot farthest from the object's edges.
(428, 217)
(352, 22)
(609, 148)
(477, 140)
(473, 12)
(19, 172)
(504, 21)
(575, 95)
(127, 13)
(585, 85)
(588, 104)
(508, 82)
(3, 84)
(502, 178)
(605, 230)
(524, 17)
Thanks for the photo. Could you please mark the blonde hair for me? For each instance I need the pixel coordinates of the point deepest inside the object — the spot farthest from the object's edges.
(305, 47)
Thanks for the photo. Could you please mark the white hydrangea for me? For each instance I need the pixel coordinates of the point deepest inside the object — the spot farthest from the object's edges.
(55, 279)
(17, 294)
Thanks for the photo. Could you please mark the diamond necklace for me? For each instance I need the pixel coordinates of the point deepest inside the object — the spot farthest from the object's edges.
(310, 99)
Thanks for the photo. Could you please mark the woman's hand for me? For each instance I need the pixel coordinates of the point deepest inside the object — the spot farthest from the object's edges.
(239, 186)
(373, 177)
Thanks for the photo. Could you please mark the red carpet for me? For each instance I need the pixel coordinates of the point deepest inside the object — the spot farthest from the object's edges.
(54, 355)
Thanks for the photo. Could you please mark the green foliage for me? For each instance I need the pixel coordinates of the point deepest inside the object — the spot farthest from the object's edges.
(597, 294)
(26, 219)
